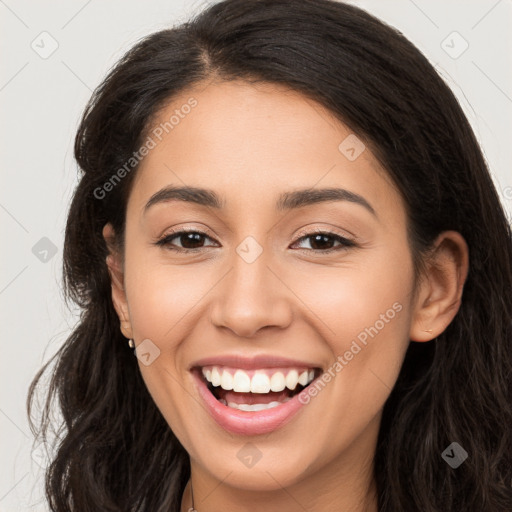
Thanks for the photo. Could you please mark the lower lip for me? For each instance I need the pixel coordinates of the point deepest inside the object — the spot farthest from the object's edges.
(248, 423)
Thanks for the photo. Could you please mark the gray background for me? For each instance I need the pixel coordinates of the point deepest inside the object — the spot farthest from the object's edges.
(41, 98)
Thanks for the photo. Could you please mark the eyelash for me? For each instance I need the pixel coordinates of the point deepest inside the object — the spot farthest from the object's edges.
(345, 242)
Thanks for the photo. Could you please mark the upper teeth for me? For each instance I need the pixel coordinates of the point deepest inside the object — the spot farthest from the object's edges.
(262, 381)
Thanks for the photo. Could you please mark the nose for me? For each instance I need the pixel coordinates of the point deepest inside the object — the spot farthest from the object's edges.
(251, 297)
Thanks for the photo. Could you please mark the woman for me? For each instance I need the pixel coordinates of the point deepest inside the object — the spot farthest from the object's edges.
(285, 215)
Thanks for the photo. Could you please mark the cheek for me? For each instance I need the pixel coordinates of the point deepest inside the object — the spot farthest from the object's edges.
(161, 297)
(162, 301)
(367, 309)
(366, 305)
(365, 290)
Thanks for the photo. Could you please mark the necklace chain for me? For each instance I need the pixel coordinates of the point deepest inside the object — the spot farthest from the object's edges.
(192, 508)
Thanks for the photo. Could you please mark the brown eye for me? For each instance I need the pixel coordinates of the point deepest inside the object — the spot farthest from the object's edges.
(324, 242)
(187, 241)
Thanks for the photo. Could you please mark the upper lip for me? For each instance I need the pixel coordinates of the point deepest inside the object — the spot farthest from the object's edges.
(253, 362)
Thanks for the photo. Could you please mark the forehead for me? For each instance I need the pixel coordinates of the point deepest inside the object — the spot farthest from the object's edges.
(251, 142)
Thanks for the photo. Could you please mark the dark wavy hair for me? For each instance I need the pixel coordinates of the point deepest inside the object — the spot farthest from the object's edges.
(115, 451)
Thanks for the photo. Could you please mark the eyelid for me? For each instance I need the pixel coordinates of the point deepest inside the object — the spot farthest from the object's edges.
(331, 230)
(187, 229)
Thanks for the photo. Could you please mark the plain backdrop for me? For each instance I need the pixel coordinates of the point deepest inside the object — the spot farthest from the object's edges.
(53, 55)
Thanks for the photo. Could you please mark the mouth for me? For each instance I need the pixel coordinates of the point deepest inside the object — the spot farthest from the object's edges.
(256, 390)
(256, 401)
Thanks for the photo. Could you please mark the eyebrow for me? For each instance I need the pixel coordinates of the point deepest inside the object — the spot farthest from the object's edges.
(286, 201)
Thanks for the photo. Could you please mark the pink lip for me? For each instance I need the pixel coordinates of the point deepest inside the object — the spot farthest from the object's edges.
(252, 363)
(247, 423)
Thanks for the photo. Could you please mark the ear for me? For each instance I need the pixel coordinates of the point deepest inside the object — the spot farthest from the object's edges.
(440, 289)
(115, 268)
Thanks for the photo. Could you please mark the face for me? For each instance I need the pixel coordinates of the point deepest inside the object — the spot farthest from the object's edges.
(270, 288)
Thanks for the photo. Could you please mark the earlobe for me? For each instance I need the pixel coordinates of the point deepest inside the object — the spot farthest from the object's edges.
(117, 283)
(440, 289)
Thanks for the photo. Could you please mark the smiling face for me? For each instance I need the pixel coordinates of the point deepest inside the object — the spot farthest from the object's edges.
(299, 281)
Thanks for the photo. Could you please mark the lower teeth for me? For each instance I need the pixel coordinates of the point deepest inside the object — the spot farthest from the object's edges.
(253, 407)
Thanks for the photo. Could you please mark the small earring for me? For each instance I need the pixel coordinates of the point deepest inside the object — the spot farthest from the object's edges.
(428, 330)
(131, 344)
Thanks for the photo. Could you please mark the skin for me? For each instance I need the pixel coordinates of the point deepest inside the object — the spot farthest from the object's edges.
(250, 143)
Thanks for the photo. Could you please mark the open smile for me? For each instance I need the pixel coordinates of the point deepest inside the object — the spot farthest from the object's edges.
(252, 401)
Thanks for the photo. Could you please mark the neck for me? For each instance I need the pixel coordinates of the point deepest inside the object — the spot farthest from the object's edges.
(367, 502)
